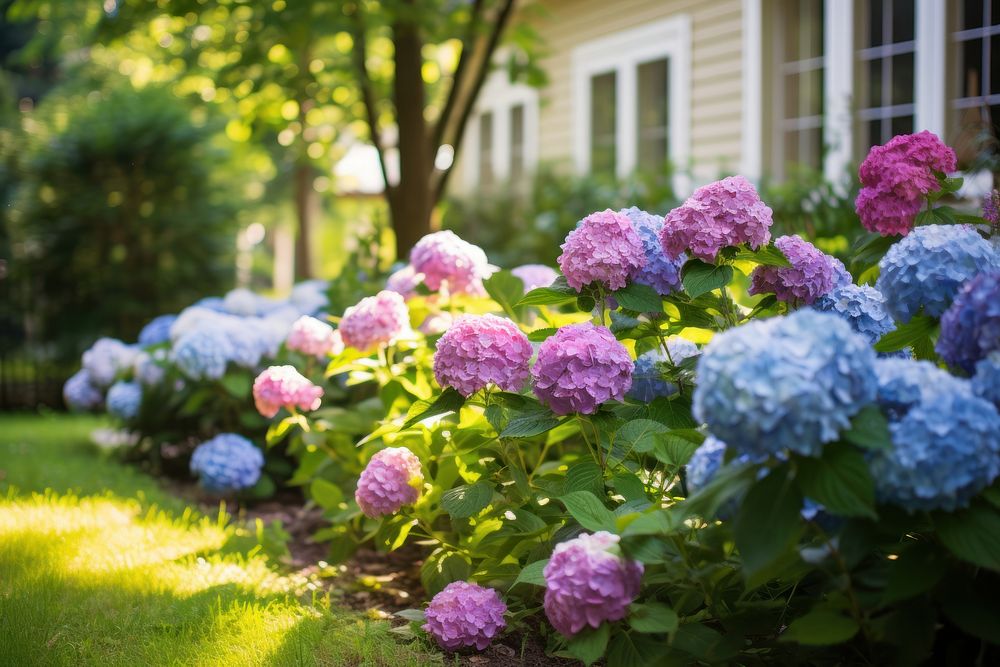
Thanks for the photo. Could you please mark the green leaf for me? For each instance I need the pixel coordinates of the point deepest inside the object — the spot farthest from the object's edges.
(634, 650)
(700, 278)
(278, 430)
(769, 255)
(585, 475)
(557, 293)
(839, 480)
(412, 615)
(326, 494)
(540, 335)
(675, 448)
(658, 522)
(589, 511)
(465, 501)
(447, 401)
(640, 435)
(532, 573)
(916, 570)
(639, 297)
(588, 645)
(820, 627)
(698, 640)
(869, 429)
(652, 617)
(237, 385)
(768, 522)
(442, 568)
(972, 534)
(506, 289)
(906, 335)
(534, 419)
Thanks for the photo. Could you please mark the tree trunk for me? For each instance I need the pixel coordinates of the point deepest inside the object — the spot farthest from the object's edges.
(304, 197)
(411, 203)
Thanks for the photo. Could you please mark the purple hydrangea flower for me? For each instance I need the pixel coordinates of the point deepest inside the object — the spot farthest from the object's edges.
(662, 273)
(721, 214)
(445, 259)
(810, 276)
(80, 393)
(227, 462)
(588, 582)
(392, 479)
(862, 306)
(535, 275)
(580, 367)
(647, 380)
(986, 381)
(604, 248)
(157, 331)
(465, 614)
(991, 208)
(480, 350)
(926, 268)
(970, 328)
(375, 321)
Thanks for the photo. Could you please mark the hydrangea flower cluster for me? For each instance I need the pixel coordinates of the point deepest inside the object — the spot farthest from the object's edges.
(790, 382)
(228, 462)
(284, 387)
(897, 176)
(535, 275)
(436, 323)
(647, 380)
(314, 338)
(604, 248)
(445, 259)
(903, 383)
(375, 321)
(391, 480)
(662, 273)
(991, 208)
(404, 281)
(309, 297)
(926, 269)
(970, 328)
(580, 367)
(705, 463)
(588, 582)
(862, 306)
(124, 399)
(721, 214)
(810, 276)
(80, 393)
(986, 381)
(157, 331)
(146, 369)
(202, 354)
(464, 615)
(482, 350)
(106, 358)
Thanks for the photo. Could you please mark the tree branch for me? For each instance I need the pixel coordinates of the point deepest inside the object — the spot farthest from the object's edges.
(368, 93)
(457, 79)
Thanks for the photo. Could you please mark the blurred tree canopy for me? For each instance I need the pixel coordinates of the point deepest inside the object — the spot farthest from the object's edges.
(306, 79)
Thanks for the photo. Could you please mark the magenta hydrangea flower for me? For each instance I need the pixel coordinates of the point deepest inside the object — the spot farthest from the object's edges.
(404, 281)
(375, 321)
(588, 582)
(284, 387)
(721, 214)
(535, 275)
(391, 479)
(482, 350)
(811, 275)
(445, 259)
(604, 248)
(580, 367)
(465, 614)
(314, 337)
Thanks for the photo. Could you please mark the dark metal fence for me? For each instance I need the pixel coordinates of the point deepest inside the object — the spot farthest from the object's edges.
(28, 381)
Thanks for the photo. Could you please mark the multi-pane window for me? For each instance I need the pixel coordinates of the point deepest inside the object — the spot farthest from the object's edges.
(603, 125)
(798, 91)
(885, 71)
(517, 142)
(651, 115)
(975, 73)
(486, 149)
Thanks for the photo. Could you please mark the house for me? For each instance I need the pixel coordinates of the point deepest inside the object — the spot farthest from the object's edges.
(725, 86)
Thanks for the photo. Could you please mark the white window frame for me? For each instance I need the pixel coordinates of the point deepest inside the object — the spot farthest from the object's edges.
(498, 96)
(622, 53)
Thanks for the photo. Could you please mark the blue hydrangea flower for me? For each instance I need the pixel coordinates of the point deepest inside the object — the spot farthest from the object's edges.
(80, 392)
(147, 370)
(785, 383)
(215, 303)
(945, 451)
(202, 354)
(903, 383)
(157, 331)
(970, 328)
(862, 306)
(647, 380)
(926, 268)
(705, 463)
(227, 462)
(661, 273)
(986, 381)
(310, 296)
(124, 399)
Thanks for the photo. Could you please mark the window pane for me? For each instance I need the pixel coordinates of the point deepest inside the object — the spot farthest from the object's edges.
(902, 78)
(517, 142)
(972, 65)
(874, 132)
(486, 149)
(994, 65)
(972, 14)
(875, 90)
(602, 123)
(902, 20)
(900, 125)
(875, 22)
(651, 149)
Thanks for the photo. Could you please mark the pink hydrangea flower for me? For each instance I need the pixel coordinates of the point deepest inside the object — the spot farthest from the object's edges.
(811, 275)
(284, 387)
(604, 248)
(374, 321)
(465, 614)
(445, 259)
(588, 582)
(480, 350)
(404, 281)
(436, 323)
(314, 337)
(581, 367)
(721, 214)
(391, 479)
(535, 275)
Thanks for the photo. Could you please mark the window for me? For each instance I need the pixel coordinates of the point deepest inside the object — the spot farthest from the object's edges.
(885, 83)
(602, 124)
(517, 143)
(975, 74)
(486, 149)
(652, 110)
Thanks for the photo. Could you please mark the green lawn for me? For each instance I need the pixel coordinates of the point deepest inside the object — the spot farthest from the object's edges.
(100, 566)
